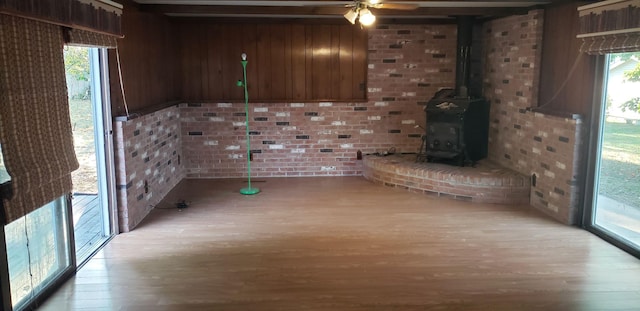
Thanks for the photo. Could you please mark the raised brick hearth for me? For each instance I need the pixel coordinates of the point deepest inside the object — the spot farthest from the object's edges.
(485, 183)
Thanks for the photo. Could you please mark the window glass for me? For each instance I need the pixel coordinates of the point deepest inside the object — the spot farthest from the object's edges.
(37, 251)
(4, 175)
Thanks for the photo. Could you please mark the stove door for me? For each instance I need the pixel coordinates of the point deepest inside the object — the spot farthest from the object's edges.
(443, 139)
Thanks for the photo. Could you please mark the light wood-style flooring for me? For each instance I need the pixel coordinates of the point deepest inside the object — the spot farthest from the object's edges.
(343, 243)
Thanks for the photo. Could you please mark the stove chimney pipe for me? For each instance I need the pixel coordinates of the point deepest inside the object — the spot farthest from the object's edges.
(463, 58)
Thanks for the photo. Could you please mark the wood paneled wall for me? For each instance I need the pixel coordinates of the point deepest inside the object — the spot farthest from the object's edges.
(561, 90)
(148, 56)
(286, 62)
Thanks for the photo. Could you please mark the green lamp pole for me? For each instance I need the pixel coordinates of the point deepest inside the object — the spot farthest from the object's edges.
(248, 190)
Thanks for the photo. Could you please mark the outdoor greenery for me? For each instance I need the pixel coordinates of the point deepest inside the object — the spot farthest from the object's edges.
(632, 76)
(632, 104)
(85, 177)
(76, 62)
(76, 65)
(620, 166)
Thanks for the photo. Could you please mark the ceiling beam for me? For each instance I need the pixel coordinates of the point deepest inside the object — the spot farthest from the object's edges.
(296, 12)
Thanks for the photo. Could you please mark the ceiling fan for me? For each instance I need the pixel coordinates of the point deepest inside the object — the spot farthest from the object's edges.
(359, 10)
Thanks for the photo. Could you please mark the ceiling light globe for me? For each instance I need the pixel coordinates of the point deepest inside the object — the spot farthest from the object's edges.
(366, 18)
(351, 16)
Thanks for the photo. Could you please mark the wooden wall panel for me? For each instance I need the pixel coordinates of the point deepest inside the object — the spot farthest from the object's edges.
(149, 62)
(263, 63)
(250, 37)
(358, 55)
(288, 81)
(214, 63)
(308, 63)
(231, 57)
(287, 62)
(345, 59)
(335, 82)
(278, 74)
(298, 62)
(189, 64)
(203, 54)
(321, 59)
(563, 91)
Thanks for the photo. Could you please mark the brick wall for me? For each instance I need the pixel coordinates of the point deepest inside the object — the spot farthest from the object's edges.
(530, 143)
(407, 65)
(486, 182)
(148, 164)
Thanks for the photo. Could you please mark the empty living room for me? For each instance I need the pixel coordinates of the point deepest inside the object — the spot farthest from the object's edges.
(319, 155)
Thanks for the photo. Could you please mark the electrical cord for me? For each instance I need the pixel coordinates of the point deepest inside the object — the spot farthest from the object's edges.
(26, 234)
(564, 83)
(181, 204)
(124, 98)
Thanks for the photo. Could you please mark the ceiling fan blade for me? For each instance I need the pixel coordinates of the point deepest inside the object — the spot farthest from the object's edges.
(396, 6)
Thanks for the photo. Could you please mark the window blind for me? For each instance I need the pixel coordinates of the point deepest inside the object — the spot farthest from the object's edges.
(35, 128)
(610, 27)
(89, 38)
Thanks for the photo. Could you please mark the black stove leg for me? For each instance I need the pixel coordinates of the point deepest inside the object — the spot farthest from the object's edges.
(461, 160)
(422, 153)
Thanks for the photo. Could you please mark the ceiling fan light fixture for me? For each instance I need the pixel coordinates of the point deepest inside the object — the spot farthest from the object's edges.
(351, 16)
(366, 17)
(374, 2)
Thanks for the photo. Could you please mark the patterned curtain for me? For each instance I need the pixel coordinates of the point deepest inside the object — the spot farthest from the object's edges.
(89, 38)
(614, 43)
(35, 127)
(610, 27)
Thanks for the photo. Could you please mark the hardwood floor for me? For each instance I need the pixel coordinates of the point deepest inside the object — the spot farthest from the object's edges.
(343, 243)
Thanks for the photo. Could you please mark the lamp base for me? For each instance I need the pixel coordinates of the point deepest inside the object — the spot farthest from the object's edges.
(249, 191)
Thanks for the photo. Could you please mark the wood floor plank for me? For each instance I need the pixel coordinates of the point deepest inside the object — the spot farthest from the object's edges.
(343, 243)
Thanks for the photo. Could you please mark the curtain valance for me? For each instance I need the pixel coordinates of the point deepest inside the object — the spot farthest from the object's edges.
(102, 16)
(89, 38)
(610, 27)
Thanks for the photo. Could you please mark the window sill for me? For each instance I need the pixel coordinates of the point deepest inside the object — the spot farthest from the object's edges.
(555, 113)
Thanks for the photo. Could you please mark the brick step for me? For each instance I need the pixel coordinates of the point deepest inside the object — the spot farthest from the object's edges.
(487, 182)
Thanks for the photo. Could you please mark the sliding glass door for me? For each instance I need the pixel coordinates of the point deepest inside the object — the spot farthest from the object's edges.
(92, 208)
(44, 248)
(615, 195)
(38, 251)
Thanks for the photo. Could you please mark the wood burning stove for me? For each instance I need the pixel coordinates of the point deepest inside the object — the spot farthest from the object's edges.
(457, 125)
(457, 130)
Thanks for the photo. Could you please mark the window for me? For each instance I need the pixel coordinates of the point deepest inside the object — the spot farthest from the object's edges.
(4, 175)
(38, 251)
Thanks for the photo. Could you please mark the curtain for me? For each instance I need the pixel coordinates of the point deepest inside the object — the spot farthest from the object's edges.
(35, 128)
(89, 38)
(613, 43)
(610, 27)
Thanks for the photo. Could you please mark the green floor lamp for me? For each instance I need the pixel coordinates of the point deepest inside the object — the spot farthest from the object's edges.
(248, 190)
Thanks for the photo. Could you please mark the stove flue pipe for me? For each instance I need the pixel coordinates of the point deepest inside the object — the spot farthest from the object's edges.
(463, 58)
